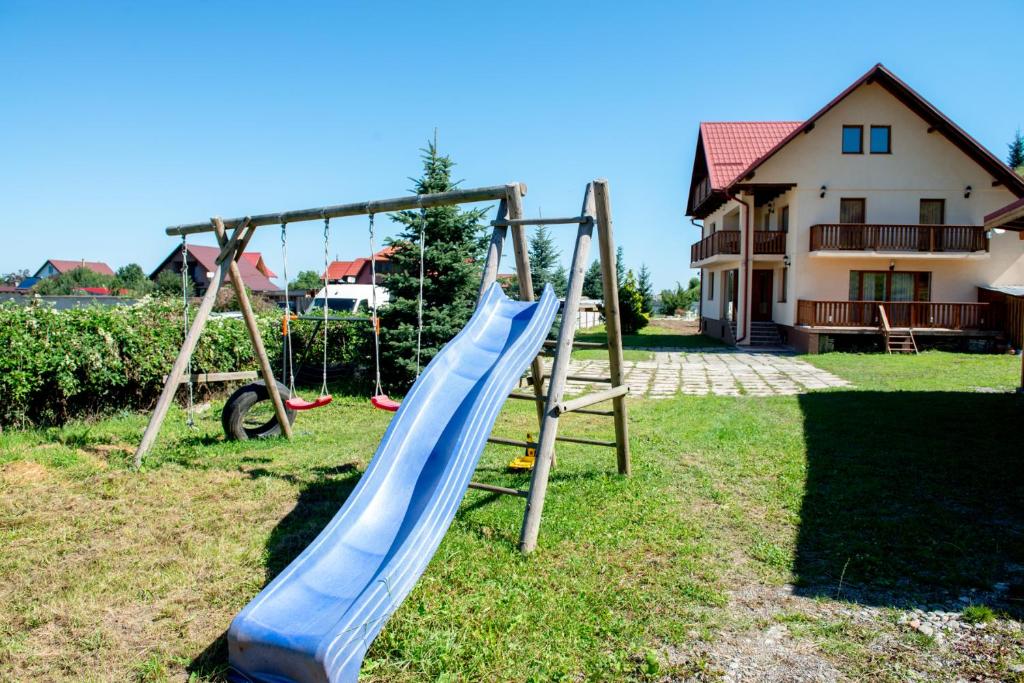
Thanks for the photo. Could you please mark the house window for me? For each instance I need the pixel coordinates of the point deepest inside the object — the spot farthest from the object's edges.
(853, 139)
(881, 139)
(932, 212)
(783, 285)
(766, 220)
(784, 219)
(884, 285)
(711, 285)
(851, 210)
(712, 229)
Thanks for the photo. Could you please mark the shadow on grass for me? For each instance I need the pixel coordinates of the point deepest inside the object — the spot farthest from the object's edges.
(913, 498)
(318, 502)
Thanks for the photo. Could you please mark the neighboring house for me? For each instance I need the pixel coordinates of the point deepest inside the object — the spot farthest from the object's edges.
(359, 271)
(54, 267)
(202, 262)
(876, 202)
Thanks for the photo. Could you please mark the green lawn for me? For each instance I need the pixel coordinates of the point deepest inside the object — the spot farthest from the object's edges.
(655, 336)
(905, 490)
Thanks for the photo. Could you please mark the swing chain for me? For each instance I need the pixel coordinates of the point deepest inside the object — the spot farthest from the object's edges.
(289, 369)
(327, 265)
(375, 321)
(190, 411)
(419, 307)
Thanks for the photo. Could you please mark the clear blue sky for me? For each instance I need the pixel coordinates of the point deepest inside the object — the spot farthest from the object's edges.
(121, 118)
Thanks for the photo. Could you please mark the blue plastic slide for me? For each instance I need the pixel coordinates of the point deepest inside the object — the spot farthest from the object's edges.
(315, 621)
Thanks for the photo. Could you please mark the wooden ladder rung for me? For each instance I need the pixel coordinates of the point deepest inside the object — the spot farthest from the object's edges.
(590, 399)
(551, 344)
(502, 441)
(527, 397)
(498, 489)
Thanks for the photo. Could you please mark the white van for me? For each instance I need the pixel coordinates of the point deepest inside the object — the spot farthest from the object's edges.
(349, 298)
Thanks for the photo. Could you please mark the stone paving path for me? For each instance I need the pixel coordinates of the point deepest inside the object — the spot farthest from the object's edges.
(723, 372)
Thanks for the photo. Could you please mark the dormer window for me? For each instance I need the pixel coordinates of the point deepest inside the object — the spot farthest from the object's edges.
(853, 139)
(881, 139)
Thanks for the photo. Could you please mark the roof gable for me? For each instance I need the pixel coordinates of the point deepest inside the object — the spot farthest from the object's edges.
(731, 147)
(911, 99)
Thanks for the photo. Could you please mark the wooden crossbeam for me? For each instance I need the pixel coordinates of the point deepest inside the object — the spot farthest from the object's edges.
(208, 377)
(571, 220)
(498, 489)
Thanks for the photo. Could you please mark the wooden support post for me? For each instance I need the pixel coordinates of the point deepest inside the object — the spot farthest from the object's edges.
(613, 321)
(559, 372)
(493, 262)
(521, 249)
(254, 330)
(163, 404)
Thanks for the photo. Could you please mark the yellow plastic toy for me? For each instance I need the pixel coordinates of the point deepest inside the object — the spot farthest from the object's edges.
(524, 463)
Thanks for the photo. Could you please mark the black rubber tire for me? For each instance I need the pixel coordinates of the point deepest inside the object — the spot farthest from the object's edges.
(239, 405)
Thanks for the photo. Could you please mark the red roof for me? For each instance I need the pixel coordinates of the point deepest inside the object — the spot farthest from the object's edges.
(63, 266)
(730, 147)
(339, 270)
(256, 259)
(253, 278)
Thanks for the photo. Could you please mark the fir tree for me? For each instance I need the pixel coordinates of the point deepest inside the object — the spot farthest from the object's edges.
(592, 287)
(631, 310)
(1015, 159)
(620, 268)
(560, 281)
(646, 288)
(451, 281)
(544, 259)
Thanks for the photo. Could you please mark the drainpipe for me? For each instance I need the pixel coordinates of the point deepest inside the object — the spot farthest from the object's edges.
(742, 314)
(700, 299)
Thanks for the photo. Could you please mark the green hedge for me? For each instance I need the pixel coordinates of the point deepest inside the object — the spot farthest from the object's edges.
(56, 365)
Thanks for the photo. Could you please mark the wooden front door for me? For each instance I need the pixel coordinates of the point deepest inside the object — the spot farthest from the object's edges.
(761, 295)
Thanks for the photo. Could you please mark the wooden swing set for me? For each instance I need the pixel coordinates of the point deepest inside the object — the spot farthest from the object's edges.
(548, 392)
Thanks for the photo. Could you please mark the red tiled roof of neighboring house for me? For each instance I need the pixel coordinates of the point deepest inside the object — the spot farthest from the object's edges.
(253, 278)
(101, 291)
(730, 147)
(256, 259)
(63, 266)
(339, 270)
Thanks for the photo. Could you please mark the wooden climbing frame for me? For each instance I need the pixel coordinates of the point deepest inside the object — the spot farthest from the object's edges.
(548, 389)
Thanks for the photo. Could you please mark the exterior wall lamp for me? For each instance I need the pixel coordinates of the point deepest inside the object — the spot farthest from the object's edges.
(785, 261)
(967, 192)
(823, 190)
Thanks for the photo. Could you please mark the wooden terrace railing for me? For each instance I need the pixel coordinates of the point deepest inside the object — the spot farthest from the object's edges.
(913, 238)
(909, 314)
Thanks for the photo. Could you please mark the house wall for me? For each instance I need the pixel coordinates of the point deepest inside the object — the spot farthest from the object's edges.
(922, 165)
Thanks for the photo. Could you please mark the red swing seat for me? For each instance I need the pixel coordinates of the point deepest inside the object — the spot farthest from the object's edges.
(299, 403)
(384, 402)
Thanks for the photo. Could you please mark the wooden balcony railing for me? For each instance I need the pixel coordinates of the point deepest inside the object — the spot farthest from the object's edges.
(721, 242)
(912, 314)
(728, 242)
(915, 238)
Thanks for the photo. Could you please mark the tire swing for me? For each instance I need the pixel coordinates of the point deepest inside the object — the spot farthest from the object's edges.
(238, 418)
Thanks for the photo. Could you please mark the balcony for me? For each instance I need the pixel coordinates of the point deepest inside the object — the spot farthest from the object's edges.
(920, 239)
(727, 243)
(916, 315)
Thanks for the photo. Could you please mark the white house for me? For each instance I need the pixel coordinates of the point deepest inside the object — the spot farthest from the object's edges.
(876, 202)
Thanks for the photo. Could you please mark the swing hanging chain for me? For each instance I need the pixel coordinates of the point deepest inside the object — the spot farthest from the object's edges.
(190, 412)
(378, 390)
(289, 369)
(419, 307)
(327, 265)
